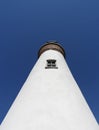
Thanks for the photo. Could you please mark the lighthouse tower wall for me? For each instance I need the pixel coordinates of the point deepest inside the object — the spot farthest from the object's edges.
(50, 99)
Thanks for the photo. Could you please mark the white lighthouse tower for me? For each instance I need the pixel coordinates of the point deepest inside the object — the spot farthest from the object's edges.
(50, 99)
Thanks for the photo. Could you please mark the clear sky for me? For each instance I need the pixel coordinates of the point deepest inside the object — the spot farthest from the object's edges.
(27, 24)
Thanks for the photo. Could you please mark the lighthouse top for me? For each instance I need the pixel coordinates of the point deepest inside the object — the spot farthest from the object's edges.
(51, 45)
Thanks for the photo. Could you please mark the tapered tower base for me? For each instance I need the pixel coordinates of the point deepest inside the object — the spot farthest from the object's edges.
(50, 99)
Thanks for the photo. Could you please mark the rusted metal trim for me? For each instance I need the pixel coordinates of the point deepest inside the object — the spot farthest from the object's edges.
(51, 46)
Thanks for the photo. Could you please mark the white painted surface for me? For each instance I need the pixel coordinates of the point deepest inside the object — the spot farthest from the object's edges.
(50, 100)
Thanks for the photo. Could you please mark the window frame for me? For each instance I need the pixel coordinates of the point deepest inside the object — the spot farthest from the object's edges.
(51, 64)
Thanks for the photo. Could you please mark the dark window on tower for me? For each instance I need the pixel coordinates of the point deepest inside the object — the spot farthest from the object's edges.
(51, 64)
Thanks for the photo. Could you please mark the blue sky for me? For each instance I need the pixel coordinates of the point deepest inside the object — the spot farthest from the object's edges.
(27, 24)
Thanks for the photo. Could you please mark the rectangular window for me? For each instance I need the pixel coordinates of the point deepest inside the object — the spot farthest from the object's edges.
(51, 64)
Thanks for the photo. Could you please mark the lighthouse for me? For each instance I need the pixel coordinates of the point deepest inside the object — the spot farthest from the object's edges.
(50, 98)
